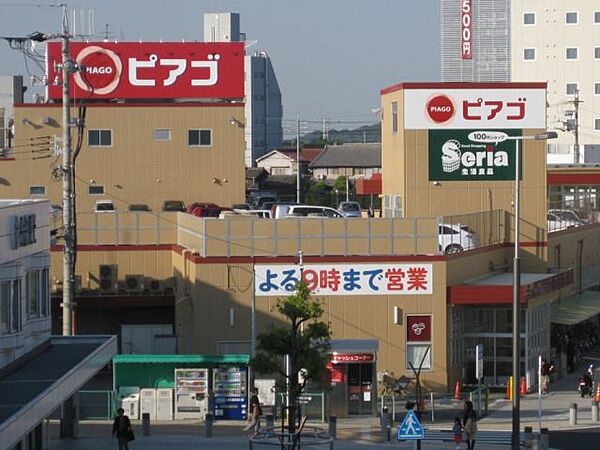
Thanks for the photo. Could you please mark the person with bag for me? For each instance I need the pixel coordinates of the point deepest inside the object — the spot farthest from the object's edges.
(470, 424)
(254, 413)
(122, 430)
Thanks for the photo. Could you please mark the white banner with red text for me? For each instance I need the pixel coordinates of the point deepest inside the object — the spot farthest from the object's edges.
(345, 279)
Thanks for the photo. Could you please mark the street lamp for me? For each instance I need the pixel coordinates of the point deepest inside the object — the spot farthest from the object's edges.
(516, 407)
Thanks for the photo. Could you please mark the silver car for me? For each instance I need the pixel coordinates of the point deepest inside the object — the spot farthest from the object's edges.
(350, 209)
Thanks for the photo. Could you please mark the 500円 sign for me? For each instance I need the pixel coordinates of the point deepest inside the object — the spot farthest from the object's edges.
(460, 155)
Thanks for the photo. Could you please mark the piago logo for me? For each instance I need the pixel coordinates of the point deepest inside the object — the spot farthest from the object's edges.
(455, 155)
(101, 70)
(440, 109)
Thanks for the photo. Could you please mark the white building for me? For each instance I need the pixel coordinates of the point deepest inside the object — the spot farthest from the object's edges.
(559, 42)
(38, 372)
(11, 92)
(264, 109)
(532, 40)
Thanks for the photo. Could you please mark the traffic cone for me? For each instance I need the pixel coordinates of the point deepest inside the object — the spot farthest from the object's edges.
(597, 398)
(457, 391)
(523, 387)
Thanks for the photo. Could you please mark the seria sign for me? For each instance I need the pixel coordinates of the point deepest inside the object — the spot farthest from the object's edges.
(471, 155)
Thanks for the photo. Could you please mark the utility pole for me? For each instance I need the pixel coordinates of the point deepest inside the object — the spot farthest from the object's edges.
(67, 174)
(576, 102)
(297, 159)
(325, 128)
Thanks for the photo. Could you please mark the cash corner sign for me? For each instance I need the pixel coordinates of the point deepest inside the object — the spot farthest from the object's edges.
(468, 155)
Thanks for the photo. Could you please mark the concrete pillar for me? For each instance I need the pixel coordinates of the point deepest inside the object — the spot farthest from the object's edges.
(333, 427)
(270, 421)
(208, 425)
(146, 424)
(595, 411)
(544, 439)
(573, 414)
(69, 421)
(528, 437)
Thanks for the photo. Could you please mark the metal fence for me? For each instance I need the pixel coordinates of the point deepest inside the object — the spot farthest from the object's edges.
(96, 405)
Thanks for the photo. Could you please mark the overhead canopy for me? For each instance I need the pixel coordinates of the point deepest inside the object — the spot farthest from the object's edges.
(158, 371)
(576, 309)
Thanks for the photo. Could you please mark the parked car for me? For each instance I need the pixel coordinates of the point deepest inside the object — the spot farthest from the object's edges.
(455, 238)
(312, 211)
(104, 206)
(568, 215)
(350, 209)
(557, 223)
(205, 209)
(280, 209)
(173, 206)
(138, 207)
(261, 213)
(260, 203)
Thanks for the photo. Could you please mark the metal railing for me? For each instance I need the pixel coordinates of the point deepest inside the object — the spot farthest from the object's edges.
(315, 236)
(311, 404)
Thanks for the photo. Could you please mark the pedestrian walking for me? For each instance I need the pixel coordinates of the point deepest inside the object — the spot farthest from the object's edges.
(457, 430)
(545, 375)
(254, 413)
(122, 430)
(470, 424)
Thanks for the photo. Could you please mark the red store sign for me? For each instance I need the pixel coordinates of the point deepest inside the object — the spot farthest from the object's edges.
(353, 358)
(466, 29)
(418, 328)
(129, 70)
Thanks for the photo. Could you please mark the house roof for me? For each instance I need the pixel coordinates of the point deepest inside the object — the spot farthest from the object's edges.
(349, 155)
(306, 154)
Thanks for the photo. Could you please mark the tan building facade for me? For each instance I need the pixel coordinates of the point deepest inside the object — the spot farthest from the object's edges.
(132, 154)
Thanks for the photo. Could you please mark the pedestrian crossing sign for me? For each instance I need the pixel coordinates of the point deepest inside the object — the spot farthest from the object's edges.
(410, 428)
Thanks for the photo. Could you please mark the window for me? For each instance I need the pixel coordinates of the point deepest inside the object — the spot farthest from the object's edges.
(596, 52)
(597, 17)
(100, 138)
(96, 190)
(597, 88)
(10, 306)
(37, 293)
(162, 134)
(529, 18)
(199, 138)
(394, 117)
(572, 88)
(37, 190)
(529, 54)
(597, 124)
(571, 17)
(572, 53)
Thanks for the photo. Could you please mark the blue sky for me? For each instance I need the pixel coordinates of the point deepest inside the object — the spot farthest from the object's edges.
(330, 56)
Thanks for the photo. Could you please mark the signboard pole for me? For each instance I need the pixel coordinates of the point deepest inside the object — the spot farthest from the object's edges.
(540, 392)
(479, 374)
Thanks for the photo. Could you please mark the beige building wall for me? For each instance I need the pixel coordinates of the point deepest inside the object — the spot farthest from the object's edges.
(136, 168)
(405, 174)
(549, 37)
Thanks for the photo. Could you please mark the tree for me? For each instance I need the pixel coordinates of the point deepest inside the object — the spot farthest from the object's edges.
(318, 194)
(304, 339)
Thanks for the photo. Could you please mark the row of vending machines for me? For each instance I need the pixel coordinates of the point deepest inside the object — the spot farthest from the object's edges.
(189, 398)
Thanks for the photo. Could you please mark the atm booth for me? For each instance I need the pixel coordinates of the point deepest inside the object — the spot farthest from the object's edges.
(353, 377)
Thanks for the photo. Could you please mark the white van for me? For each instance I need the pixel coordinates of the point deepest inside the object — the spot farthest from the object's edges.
(312, 211)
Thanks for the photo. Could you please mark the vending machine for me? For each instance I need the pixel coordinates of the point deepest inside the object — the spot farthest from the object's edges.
(191, 393)
(231, 394)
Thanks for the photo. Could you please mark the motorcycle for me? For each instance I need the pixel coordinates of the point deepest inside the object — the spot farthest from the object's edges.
(584, 388)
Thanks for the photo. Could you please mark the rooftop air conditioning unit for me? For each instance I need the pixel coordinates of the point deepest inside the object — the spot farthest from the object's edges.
(155, 286)
(108, 277)
(134, 283)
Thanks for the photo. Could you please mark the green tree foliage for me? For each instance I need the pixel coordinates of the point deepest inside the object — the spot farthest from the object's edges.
(304, 338)
(318, 194)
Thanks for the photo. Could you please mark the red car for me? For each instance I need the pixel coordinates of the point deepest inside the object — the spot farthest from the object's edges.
(205, 209)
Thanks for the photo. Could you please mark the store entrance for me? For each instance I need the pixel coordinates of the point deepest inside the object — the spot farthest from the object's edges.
(360, 386)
